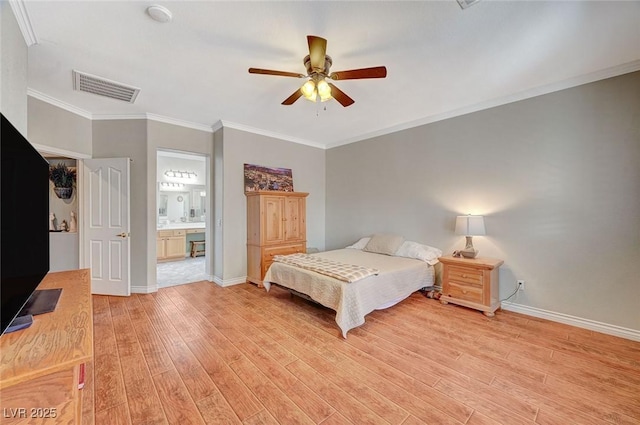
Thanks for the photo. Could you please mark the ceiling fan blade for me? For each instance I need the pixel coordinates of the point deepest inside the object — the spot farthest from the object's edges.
(355, 74)
(317, 52)
(291, 99)
(278, 73)
(340, 96)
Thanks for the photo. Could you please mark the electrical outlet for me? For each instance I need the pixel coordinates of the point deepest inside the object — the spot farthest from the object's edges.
(520, 285)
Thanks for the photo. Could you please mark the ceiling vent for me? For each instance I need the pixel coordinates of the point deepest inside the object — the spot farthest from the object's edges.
(102, 87)
(466, 3)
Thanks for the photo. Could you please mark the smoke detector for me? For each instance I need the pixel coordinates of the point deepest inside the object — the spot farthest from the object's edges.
(103, 87)
(160, 13)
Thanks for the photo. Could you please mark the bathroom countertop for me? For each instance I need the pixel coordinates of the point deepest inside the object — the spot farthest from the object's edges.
(187, 225)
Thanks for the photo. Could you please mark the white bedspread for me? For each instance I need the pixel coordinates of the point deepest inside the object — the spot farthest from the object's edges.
(398, 278)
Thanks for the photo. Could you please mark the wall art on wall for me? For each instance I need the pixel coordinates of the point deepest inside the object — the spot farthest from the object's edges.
(257, 177)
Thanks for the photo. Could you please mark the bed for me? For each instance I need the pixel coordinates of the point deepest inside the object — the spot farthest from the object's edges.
(397, 278)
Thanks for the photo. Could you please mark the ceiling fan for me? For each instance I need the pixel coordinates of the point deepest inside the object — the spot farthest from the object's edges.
(318, 63)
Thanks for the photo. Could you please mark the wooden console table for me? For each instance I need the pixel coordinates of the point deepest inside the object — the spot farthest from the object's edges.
(42, 365)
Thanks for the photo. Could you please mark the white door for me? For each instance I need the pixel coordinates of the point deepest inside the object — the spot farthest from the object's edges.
(107, 225)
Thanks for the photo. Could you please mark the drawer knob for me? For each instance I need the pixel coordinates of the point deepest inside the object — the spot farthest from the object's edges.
(464, 275)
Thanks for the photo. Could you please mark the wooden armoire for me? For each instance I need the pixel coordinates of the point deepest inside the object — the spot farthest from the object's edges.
(276, 225)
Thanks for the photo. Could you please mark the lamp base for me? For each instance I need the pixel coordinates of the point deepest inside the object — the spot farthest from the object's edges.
(469, 251)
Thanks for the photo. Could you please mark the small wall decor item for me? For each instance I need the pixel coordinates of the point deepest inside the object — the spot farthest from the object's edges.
(63, 179)
(258, 177)
(73, 223)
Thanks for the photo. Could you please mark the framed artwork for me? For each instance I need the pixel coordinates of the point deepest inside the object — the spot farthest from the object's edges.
(258, 177)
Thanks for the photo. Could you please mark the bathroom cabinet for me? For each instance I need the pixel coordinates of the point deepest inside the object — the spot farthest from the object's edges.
(171, 244)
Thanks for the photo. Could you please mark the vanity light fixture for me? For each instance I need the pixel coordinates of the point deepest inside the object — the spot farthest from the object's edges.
(169, 185)
(181, 174)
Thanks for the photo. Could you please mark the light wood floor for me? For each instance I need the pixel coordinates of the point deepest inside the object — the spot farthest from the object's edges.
(199, 353)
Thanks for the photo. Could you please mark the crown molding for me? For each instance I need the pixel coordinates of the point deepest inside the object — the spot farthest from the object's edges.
(181, 123)
(216, 126)
(61, 152)
(154, 117)
(113, 117)
(527, 94)
(104, 117)
(249, 129)
(19, 9)
(60, 104)
(160, 118)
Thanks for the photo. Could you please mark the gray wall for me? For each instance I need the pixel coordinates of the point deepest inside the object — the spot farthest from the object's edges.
(308, 168)
(128, 139)
(13, 63)
(556, 176)
(57, 128)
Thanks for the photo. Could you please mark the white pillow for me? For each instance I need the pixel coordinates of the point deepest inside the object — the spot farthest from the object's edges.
(418, 251)
(383, 243)
(360, 244)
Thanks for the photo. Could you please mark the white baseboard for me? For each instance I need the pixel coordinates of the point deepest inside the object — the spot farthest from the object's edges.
(154, 288)
(229, 282)
(144, 289)
(579, 322)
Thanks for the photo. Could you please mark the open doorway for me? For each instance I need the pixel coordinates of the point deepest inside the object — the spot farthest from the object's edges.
(181, 215)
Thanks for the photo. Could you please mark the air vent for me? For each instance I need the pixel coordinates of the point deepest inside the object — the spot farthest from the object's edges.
(103, 87)
(466, 3)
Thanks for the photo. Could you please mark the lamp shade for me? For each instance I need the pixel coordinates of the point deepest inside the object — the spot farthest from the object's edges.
(470, 225)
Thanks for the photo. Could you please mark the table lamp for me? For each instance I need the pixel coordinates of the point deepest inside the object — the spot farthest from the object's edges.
(469, 226)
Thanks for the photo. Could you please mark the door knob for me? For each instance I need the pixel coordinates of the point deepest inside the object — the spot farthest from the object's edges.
(123, 235)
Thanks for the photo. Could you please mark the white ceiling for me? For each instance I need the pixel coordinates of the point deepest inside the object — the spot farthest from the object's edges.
(441, 60)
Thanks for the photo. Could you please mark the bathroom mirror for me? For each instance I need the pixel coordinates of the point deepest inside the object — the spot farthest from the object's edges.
(162, 205)
(177, 206)
(198, 202)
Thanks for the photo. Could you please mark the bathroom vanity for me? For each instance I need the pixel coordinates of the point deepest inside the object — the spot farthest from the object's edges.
(173, 238)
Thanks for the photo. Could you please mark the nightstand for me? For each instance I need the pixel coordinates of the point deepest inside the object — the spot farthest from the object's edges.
(471, 282)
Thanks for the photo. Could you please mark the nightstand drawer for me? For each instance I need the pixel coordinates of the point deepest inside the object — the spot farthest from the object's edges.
(464, 292)
(468, 277)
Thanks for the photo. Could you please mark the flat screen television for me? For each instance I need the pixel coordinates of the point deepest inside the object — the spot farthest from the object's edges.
(24, 221)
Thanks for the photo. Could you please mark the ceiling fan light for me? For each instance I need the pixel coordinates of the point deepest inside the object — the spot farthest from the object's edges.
(313, 97)
(323, 89)
(308, 89)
